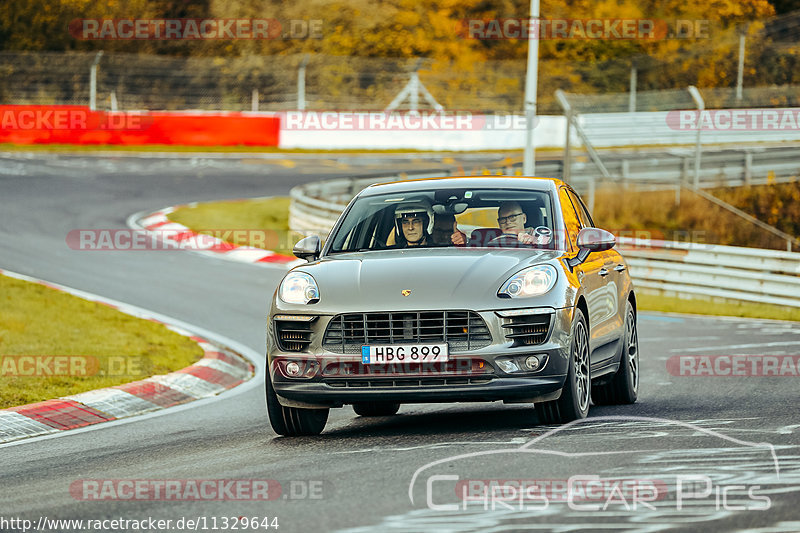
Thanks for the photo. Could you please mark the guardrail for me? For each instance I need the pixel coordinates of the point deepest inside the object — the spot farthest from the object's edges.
(689, 269)
(712, 270)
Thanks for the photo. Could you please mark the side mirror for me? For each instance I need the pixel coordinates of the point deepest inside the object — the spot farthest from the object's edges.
(592, 240)
(307, 248)
(596, 239)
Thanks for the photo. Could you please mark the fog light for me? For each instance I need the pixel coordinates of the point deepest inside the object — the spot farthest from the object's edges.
(507, 365)
(532, 362)
(292, 369)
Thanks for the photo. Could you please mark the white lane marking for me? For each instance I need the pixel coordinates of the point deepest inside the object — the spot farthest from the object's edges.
(642, 338)
(737, 346)
(787, 430)
(435, 445)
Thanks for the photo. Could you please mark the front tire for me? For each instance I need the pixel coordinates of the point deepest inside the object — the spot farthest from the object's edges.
(293, 421)
(624, 386)
(376, 408)
(573, 404)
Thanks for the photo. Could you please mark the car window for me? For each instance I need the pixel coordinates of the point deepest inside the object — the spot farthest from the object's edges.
(583, 213)
(402, 220)
(571, 219)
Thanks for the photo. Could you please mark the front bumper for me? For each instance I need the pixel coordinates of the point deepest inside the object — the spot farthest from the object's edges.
(464, 381)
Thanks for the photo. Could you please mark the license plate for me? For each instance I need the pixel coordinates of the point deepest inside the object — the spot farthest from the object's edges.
(403, 353)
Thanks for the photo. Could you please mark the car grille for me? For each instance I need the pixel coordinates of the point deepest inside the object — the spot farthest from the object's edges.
(528, 330)
(292, 336)
(461, 330)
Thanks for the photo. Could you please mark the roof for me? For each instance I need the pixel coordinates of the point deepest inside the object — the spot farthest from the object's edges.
(468, 182)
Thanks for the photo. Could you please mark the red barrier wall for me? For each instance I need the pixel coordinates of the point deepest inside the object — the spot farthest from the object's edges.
(78, 125)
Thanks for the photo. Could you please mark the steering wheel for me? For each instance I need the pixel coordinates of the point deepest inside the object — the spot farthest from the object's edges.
(506, 239)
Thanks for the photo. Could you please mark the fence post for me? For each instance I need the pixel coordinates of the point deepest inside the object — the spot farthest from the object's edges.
(740, 71)
(254, 101)
(701, 105)
(93, 81)
(301, 84)
(632, 94)
(561, 98)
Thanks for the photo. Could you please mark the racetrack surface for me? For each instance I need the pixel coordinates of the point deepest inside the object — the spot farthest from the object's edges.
(717, 429)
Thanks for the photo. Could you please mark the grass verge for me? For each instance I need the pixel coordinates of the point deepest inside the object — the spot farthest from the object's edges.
(265, 222)
(715, 307)
(55, 344)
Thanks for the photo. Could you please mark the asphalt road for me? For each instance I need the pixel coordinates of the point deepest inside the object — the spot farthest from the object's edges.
(727, 446)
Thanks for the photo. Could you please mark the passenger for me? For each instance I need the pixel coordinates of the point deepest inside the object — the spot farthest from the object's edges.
(445, 231)
(411, 225)
(511, 220)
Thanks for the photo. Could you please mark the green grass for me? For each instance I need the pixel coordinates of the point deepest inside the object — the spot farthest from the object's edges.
(265, 221)
(111, 347)
(716, 307)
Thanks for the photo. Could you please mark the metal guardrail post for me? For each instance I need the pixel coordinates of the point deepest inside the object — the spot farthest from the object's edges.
(748, 168)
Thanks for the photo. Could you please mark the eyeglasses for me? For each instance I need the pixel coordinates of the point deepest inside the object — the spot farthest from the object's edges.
(409, 222)
(510, 219)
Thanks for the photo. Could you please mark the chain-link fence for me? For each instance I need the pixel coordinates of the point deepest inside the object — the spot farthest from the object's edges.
(270, 83)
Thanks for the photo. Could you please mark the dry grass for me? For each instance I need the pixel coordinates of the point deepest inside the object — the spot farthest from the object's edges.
(657, 215)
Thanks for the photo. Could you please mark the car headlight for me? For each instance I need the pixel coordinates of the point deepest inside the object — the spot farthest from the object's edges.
(298, 288)
(531, 281)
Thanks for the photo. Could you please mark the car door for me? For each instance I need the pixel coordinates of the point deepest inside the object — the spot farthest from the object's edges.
(609, 320)
(589, 275)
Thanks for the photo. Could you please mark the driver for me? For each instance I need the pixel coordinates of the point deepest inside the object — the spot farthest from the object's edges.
(511, 220)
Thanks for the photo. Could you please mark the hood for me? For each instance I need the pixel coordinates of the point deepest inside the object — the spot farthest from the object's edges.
(437, 278)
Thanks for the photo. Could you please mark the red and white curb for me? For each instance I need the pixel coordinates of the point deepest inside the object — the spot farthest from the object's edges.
(162, 228)
(220, 369)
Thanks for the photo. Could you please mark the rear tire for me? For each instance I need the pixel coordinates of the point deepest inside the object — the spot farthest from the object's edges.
(293, 421)
(573, 404)
(376, 408)
(624, 386)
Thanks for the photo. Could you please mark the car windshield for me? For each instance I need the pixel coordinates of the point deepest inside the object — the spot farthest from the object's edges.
(463, 218)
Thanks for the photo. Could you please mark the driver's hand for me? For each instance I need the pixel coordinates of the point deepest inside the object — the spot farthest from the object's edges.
(525, 238)
(458, 238)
